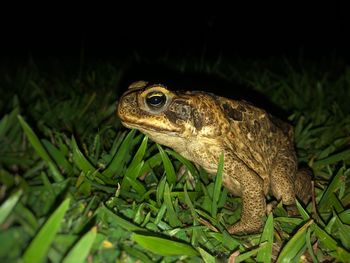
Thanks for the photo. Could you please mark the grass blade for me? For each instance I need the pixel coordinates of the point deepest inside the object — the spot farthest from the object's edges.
(326, 202)
(39, 148)
(190, 205)
(34, 140)
(116, 164)
(85, 165)
(217, 187)
(332, 245)
(150, 163)
(119, 220)
(247, 255)
(40, 245)
(309, 245)
(58, 156)
(80, 251)
(140, 153)
(8, 122)
(137, 254)
(183, 160)
(168, 166)
(160, 214)
(295, 244)
(207, 258)
(80, 160)
(160, 190)
(302, 211)
(130, 173)
(343, 231)
(164, 247)
(131, 179)
(171, 214)
(7, 207)
(345, 155)
(264, 254)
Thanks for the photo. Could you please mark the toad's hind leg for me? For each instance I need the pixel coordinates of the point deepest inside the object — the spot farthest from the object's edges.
(283, 173)
(253, 201)
(303, 186)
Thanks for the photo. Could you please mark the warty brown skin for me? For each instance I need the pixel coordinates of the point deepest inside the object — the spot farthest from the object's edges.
(258, 149)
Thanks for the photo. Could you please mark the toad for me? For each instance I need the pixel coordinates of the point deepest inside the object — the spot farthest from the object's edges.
(258, 149)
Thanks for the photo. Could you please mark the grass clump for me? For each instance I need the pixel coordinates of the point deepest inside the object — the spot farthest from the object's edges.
(76, 186)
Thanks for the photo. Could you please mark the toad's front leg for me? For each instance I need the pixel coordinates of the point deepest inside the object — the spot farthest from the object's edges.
(253, 203)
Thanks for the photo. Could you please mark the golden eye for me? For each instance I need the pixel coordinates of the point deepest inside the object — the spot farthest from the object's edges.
(155, 99)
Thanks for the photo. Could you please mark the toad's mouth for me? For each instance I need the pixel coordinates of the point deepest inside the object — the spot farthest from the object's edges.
(146, 128)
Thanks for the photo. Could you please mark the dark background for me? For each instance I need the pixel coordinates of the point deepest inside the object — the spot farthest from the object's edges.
(112, 32)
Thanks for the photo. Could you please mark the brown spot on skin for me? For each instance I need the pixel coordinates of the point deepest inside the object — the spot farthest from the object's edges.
(172, 116)
(179, 110)
(182, 109)
(232, 113)
(197, 120)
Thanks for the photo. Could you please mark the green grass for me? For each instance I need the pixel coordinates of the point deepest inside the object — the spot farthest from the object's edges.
(77, 186)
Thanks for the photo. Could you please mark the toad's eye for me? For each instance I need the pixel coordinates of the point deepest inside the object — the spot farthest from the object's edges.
(155, 99)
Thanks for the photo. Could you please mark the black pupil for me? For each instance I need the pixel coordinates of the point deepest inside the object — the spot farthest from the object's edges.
(156, 99)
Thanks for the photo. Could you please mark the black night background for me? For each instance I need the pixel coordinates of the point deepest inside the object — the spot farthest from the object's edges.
(245, 30)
